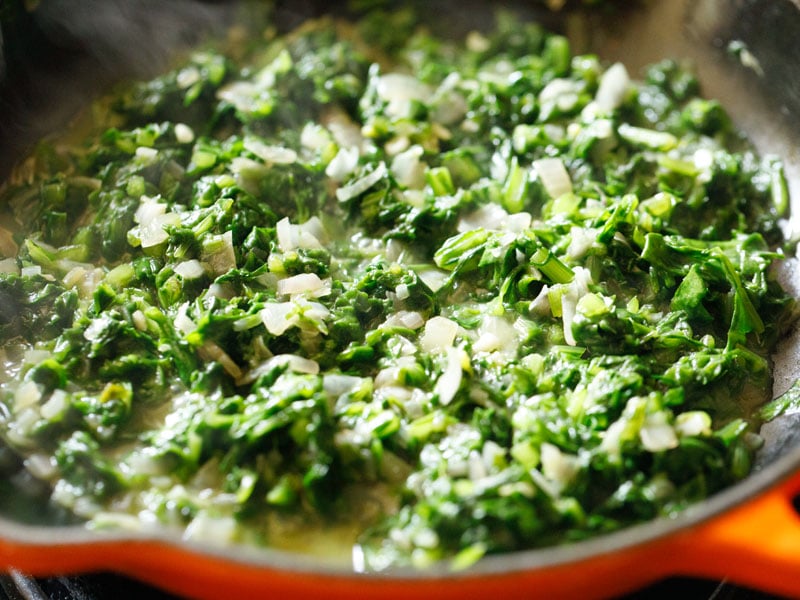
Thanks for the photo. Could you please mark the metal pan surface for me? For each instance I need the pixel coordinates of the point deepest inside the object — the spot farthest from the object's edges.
(749, 533)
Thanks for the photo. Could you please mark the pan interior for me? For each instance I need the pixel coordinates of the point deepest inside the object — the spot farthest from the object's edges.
(753, 91)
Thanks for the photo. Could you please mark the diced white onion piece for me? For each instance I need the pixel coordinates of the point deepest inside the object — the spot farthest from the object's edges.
(492, 453)
(487, 342)
(149, 209)
(489, 216)
(212, 351)
(439, 334)
(495, 334)
(411, 319)
(703, 159)
(401, 292)
(346, 133)
(31, 271)
(693, 422)
(313, 228)
(450, 106)
(9, 265)
(187, 77)
(223, 258)
(297, 364)
(314, 137)
(183, 133)
(275, 316)
(560, 89)
(56, 405)
(450, 380)
(398, 90)
(190, 269)
(286, 235)
(613, 87)
(403, 318)
(153, 233)
(407, 168)
(657, 437)
(216, 530)
(28, 394)
(554, 176)
(343, 164)
(558, 467)
(40, 466)
(476, 467)
(183, 322)
(146, 155)
(139, 320)
(433, 278)
(581, 239)
(335, 385)
(359, 186)
(304, 283)
(277, 155)
(575, 290)
(519, 222)
(241, 94)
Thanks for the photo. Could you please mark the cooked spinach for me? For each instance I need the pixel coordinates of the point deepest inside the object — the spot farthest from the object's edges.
(474, 297)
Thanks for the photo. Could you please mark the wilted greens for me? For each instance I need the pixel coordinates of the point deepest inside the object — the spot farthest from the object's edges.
(436, 299)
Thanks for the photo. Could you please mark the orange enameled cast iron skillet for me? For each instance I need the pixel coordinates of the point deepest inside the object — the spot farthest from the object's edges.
(749, 534)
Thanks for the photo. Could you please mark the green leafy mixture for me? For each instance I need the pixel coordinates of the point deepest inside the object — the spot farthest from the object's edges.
(433, 299)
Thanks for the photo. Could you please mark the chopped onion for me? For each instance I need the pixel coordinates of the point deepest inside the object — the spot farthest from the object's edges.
(183, 322)
(563, 92)
(286, 235)
(314, 137)
(489, 216)
(581, 239)
(40, 466)
(693, 422)
(558, 467)
(613, 87)
(277, 155)
(304, 283)
(190, 269)
(575, 290)
(183, 133)
(216, 530)
(433, 278)
(211, 351)
(359, 186)
(335, 384)
(407, 168)
(439, 334)
(56, 405)
(398, 90)
(343, 164)
(9, 265)
(275, 316)
(220, 256)
(28, 394)
(450, 380)
(153, 233)
(346, 133)
(296, 363)
(554, 176)
(657, 436)
(145, 155)
(31, 271)
(404, 318)
(149, 208)
(139, 320)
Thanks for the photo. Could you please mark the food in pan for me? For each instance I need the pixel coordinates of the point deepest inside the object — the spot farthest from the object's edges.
(370, 289)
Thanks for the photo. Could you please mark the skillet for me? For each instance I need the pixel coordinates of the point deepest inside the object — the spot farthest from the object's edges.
(749, 533)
